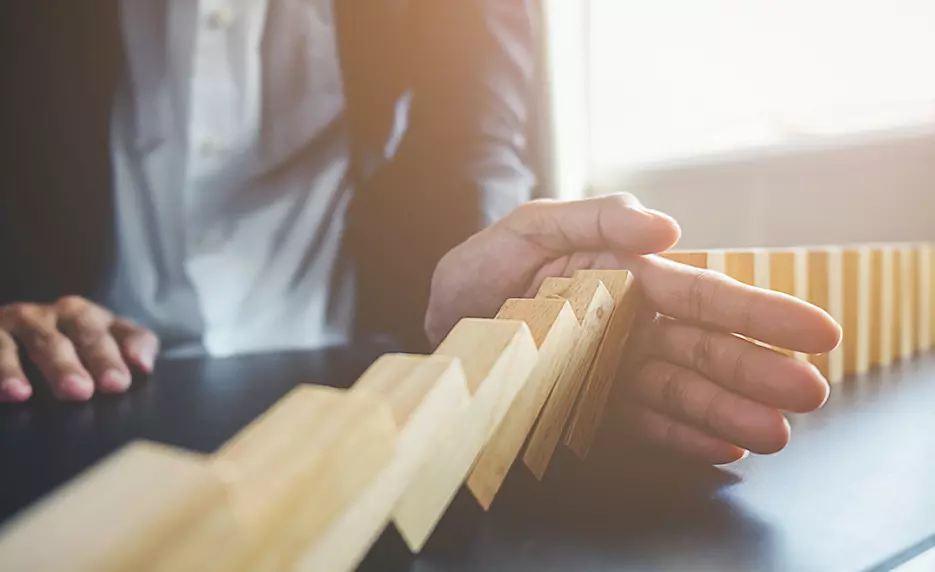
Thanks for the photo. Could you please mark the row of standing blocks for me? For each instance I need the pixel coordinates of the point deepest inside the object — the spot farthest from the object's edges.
(312, 483)
(882, 295)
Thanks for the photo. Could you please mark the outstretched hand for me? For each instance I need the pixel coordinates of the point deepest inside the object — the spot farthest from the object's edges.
(687, 382)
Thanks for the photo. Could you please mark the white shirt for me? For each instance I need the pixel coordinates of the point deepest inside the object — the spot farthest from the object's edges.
(230, 161)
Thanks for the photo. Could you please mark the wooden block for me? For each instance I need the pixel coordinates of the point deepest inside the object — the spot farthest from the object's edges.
(297, 467)
(593, 307)
(788, 273)
(717, 261)
(697, 258)
(931, 296)
(589, 409)
(741, 265)
(856, 319)
(428, 396)
(146, 507)
(497, 356)
(555, 330)
(925, 295)
(903, 331)
(762, 269)
(554, 286)
(882, 297)
(825, 290)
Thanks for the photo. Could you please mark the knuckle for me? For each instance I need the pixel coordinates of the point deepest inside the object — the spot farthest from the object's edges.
(45, 345)
(702, 351)
(672, 391)
(70, 304)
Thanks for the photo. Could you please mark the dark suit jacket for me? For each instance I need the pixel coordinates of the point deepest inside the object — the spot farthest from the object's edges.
(466, 67)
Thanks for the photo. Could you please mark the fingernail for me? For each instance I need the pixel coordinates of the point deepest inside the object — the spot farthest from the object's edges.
(114, 381)
(16, 388)
(75, 386)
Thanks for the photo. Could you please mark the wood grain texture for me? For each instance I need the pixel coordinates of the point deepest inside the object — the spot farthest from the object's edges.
(145, 507)
(589, 409)
(294, 469)
(428, 397)
(497, 356)
(925, 295)
(825, 290)
(882, 298)
(593, 306)
(856, 319)
(554, 286)
(555, 330)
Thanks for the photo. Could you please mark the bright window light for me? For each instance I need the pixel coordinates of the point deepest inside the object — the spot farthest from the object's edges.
(675, 79)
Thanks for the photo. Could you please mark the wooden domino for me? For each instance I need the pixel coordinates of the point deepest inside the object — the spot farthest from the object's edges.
(146, 507)
(555, 330)
(593, 306)
(428, 395)
(856, 320)
(589, 409)
(295, 468)
(498, 356)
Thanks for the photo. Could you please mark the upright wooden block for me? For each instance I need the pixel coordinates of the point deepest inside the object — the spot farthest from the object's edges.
(589, 409)
(696, 258)
(593, 307)
(555, 330)
(882, 306)
(856, 323)
(295, 468)
(825, 290)
(497, 356)
(904, 278)
(789, 274)
(741, 265)
(146, 507)
(428, 396)
(925, 295)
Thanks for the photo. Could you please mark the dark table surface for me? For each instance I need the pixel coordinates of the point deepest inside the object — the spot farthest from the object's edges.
(853, 490)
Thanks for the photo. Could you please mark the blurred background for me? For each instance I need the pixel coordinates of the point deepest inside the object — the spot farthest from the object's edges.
(754, 123)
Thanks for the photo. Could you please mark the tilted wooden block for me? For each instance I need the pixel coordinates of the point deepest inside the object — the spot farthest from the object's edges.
(593, 307)
(146, 507)
(857, 316)
(925, 295)
(555, 330)
(295, 468)
(882, 305)
(428, 396)
(825, 290)
(497, 356)
(554, 286)
(589, 409)
(789, 275)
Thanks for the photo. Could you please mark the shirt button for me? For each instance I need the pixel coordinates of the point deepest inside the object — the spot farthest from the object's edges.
(220, 18)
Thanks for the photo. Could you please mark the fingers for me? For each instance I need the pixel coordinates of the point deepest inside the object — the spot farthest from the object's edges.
(53, 353)
(689, 397)
(680, 437)
(720, 302)
(14, 387)
(88, 327)
(743, 367)
(612, 222)
(138, 345)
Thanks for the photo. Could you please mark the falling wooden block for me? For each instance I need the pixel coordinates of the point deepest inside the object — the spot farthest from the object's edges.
(555, 330)
(882, 305)
(788, 273)
(925, 295)
(295, 468)
(856, 318)
(593, 307)
(825, 290)
(497, 356)
(428, 396)
(592, 399)
(904, 277)
(146, 507)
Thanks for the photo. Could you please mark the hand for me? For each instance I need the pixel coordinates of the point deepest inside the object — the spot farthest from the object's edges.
(687, 383)
(76, 345)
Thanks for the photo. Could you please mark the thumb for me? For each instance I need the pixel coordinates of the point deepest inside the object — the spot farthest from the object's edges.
(616, 222)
